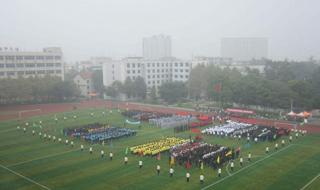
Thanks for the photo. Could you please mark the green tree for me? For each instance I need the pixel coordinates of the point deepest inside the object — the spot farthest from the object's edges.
(173, 91)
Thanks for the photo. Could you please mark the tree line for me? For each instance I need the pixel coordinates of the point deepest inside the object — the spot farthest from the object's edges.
(281, 83)
(36, 90)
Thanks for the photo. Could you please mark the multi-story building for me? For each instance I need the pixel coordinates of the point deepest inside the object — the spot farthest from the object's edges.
(205, 61)
(154, 72)
(15, 63)
(84, 82)
(244, 49)
(156, 47)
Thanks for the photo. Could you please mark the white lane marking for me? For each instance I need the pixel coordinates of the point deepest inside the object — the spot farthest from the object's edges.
(44, 157)
(24, 177)
(304, 187)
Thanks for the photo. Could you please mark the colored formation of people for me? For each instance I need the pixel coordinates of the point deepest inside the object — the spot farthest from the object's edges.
(155, 147)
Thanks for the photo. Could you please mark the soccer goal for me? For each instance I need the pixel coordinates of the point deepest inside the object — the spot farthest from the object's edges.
(24, 113)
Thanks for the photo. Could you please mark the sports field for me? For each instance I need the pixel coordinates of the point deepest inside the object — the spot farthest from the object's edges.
(30, 162)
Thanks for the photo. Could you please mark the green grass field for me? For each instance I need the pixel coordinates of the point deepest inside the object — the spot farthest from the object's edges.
(29, 162)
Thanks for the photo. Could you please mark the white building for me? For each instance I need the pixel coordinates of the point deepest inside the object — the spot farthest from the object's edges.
(16, 63)
(205, 61)
(84, 82)
(154, 72)
(244, 49)
(156, 47)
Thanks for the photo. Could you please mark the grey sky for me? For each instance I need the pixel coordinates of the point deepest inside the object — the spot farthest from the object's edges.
(116, 27)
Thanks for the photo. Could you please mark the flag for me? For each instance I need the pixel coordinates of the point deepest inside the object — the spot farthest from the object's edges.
(127, 149)
(218, 160)
(188, 165)
(229, 153)
(172, 161)
(217, 87)
(158, 156)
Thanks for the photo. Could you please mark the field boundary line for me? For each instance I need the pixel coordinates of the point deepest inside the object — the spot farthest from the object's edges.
(7, 130)
(304, 187)
(254, 163)
(44, 157)
(24, 177)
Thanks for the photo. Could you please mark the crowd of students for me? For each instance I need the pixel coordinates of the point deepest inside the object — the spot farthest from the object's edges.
(174, 121)
(248, 131)
(97, 132)
(155, 147)
(144, 115)
(199, 153)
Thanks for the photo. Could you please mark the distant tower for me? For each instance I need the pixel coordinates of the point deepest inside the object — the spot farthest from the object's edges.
(157, 46)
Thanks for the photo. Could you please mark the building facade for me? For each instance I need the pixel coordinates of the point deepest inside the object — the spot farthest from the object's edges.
(154, 72)
(156, 47)
(84, 82)
(16, 63)
(244, 49)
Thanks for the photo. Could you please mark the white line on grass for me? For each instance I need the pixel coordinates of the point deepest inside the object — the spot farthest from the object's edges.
(44, 157)
(304, 187)
(24, 177)
(254, 163)
(4, 131)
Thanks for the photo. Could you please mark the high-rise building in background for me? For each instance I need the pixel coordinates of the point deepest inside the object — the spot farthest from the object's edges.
(15, 63)
(244, 49)
(158, 46)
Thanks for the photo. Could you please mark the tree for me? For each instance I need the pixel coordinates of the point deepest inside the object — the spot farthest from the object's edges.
(139, 88)
(97, 79)
(173, 91)
(114, 89)
(128, 87)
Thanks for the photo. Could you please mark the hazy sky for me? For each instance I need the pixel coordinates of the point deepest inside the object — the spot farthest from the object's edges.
(116, 27)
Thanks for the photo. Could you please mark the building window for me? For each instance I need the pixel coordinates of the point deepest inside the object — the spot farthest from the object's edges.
(20, 65)
(1, 65)
(176, 64)
(41, 72)
(57, 57)
(58, 64)
(148, 65)
(50, 71)
(158, 64)
(148, 76)
(20, 72)
(139, 65)
(128, 71)
(9, 57)
(30, 72)
(133, 65)
(153, 71)
(49, 57)
(10, 73)
(50, 64)
(40, 65)
(19, 57)
(39, 57)
(187, 76)
(181, 76)
(187, 64)
(128, 65)
(30, 65)
(1, 57)
(88, 81)
(176, 70)
(138, 71)
(10, 65)
(1, 73)
(187, 70)
(158, 70)
(29, 57)
(58, 71)
(181, 70)
(133, 71)
(181, 64)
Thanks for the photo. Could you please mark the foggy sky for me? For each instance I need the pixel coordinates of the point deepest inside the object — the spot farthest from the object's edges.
(116, 27)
